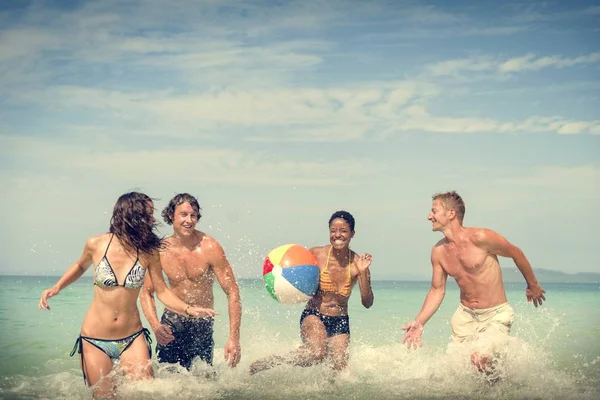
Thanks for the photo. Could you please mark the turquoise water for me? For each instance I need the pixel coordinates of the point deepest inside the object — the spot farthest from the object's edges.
(555, 353)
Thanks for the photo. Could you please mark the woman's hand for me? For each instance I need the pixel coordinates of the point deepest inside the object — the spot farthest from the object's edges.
(199, 312)
(46, 294)
(363, 262)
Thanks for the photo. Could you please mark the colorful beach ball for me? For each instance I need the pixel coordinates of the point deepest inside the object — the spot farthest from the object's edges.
(291, 274)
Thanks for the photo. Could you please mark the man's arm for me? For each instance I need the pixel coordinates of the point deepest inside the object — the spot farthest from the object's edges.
(224, 274)
(496, 244)
(433, 300)
(148, 303)
(163, 333)
(436, 293)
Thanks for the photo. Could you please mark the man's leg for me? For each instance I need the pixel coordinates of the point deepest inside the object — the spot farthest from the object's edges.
(492, 335)
(200, 341)
(464, 325)
(174, 351)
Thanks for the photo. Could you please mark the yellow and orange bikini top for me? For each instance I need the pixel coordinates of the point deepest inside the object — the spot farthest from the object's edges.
(325, 283)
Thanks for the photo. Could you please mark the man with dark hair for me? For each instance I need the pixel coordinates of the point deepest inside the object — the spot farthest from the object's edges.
(191, 260)
(470, 255)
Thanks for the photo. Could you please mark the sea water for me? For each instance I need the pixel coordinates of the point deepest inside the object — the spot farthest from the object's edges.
(554, 352)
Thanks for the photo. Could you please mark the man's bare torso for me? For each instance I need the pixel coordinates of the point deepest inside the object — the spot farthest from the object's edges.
(476, 271)
(188, 270)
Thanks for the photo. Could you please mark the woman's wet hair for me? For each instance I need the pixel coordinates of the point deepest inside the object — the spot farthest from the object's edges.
(345, 215)
(169, 211)
(133, 224)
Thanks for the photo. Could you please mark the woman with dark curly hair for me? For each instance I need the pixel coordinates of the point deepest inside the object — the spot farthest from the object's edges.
(324, 323)
(112, 329)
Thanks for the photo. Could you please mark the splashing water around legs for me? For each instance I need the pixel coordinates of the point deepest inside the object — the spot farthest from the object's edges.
(553, 353)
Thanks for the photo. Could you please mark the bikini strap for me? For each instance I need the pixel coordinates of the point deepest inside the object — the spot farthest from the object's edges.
(328, 256)
(148, 340)
(79, 349)
(349, 265)
(108, 245)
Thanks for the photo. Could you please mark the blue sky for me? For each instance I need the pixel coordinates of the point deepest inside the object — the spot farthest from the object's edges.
(275, 114)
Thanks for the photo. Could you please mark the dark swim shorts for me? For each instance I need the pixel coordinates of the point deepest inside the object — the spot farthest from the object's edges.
(333, 325)
(193, 338)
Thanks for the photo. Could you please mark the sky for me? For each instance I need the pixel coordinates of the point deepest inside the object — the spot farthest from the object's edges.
(275, 114)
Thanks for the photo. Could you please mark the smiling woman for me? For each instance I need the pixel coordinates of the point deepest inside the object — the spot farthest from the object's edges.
(324, 323)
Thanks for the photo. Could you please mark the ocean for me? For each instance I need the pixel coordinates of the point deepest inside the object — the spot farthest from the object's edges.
(554, 352)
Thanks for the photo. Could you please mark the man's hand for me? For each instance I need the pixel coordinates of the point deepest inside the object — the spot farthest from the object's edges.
(413, 329)
(232, 353)
(163, 334)
(535, 293)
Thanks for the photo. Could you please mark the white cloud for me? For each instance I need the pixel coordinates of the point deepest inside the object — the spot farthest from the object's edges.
(115, 42)
(532, 63)
(543, 12)
(346, 112)
(193, 164)
(488, 64)
(417, 118)
(494, 30)
(220, 99)
(216, 79)
(570, 128)
(451, 67)
(373, 110)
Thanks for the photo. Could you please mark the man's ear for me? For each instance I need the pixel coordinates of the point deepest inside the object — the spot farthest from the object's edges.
(451, 214)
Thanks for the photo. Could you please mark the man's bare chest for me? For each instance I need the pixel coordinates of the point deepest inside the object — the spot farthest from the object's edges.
(185, 265)
(463, 258)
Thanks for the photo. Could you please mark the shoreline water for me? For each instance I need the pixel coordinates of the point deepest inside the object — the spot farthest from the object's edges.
(509, 275)
(555, 353)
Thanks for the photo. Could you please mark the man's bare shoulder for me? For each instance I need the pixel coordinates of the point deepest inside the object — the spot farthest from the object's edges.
(170, 241)
(208, 242)
(170, 244)
(215, 254)
(437, 250)
(439, 245)
(480, 236)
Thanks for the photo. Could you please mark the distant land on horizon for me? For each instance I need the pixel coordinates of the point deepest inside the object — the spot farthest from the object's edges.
(549, 276)
(510, 275)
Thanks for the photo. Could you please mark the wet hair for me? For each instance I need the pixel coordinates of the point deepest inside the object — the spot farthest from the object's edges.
(133, 224)
(169, 211)
(452, 201)
(345, 215)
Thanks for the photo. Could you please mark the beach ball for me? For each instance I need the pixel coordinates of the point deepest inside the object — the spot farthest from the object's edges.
(291, 274)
